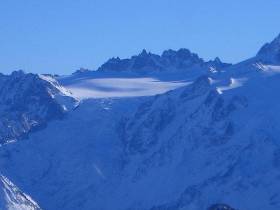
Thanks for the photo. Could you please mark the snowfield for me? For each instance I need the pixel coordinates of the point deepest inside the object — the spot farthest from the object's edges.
(121, 87)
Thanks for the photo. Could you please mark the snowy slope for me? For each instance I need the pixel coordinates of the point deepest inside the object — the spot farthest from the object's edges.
(71, 161)
(210, 142)
(221, 146)
(195, 146)
(11, 198)
(29, 101)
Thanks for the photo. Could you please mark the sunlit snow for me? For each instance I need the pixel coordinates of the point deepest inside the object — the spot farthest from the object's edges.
(233, 83)
(270, 69)
(121, 87)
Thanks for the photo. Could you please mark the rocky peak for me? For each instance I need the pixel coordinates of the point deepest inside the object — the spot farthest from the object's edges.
(29, 101)
(18, 73)
(200, 87)
(169, 60)
(217, 64)
(217, 60)
(81, 70)
(144, 53)
(270, 52)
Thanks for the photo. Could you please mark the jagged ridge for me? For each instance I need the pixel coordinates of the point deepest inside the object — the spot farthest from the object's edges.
(29, 101)
(170, 60)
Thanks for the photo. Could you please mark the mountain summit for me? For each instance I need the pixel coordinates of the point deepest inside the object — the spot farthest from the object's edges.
(270, 52)
(169, 61)
(29, 101)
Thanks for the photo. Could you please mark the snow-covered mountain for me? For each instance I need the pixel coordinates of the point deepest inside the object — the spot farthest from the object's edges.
(28, 102)
(11, 198)
(171, 139)
(143, 75)
(270, 52)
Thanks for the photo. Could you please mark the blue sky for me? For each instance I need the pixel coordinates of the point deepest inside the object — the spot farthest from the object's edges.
(60, 36)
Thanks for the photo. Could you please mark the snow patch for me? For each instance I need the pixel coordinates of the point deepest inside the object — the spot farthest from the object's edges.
(269, 69)
(234, 83)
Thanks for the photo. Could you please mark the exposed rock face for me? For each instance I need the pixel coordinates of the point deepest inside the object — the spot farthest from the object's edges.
(270, 52)
(29, 101)
(169, 61)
